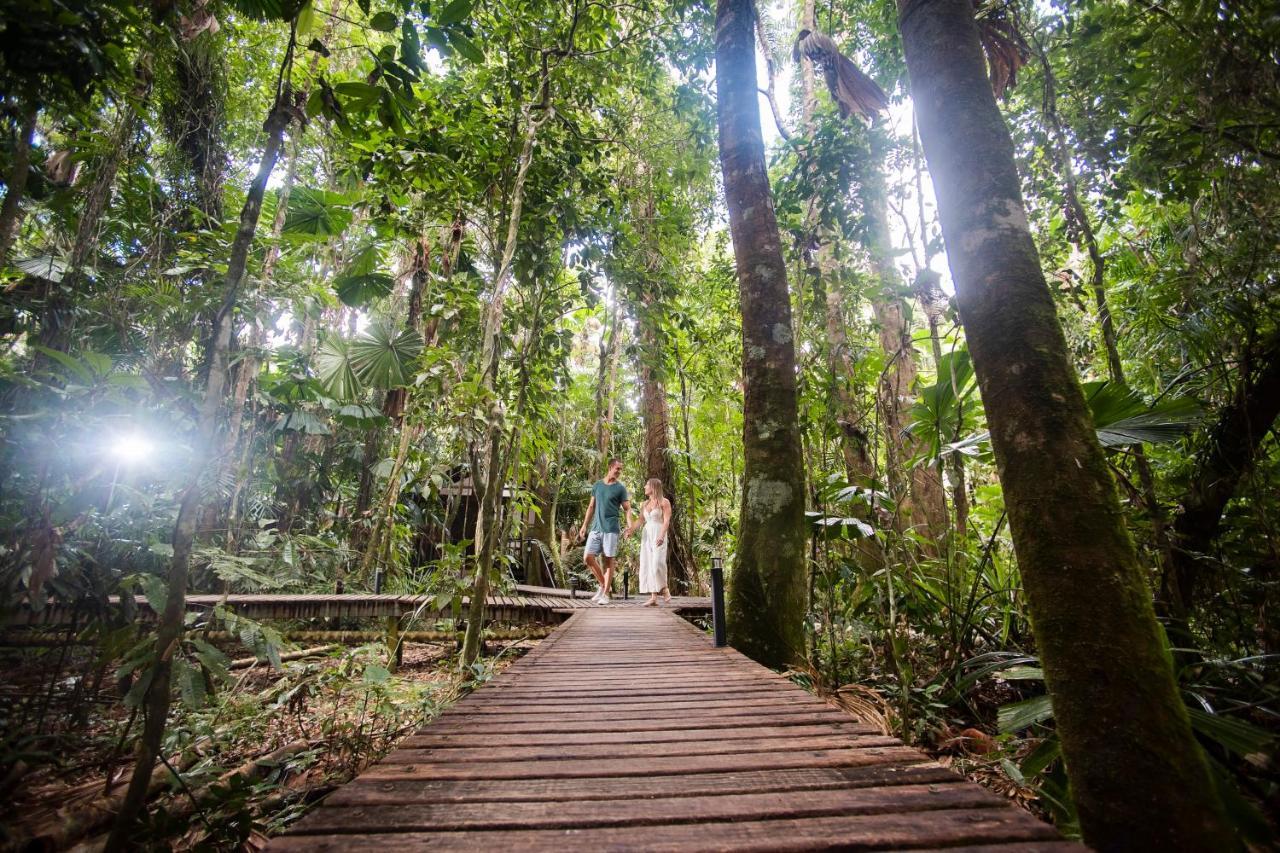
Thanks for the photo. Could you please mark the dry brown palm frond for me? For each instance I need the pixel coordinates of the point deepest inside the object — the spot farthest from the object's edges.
(853, 91)
(1000, 30)
(867, 705)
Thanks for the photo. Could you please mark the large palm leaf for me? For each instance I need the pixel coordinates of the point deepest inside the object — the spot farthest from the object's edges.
(383, 356)
(1121, 418)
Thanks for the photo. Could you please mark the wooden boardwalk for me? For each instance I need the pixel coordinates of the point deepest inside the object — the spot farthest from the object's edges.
(528, 605)
(627, 729)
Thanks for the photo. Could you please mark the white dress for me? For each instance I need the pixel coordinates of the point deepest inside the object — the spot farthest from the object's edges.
(653, 557)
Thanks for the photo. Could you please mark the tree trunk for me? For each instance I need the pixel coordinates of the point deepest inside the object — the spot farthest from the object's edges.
(58, 317)
(767, 592)
(540, 527)
(169, 630)
(858, 463)
(606, 384)
(1137, 774)
(922, 484)
(1229, 452)
(682, 575)
(16, 184)
(489, 470)
(1085, 238)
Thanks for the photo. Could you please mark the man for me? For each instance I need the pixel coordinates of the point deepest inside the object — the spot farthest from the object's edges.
(607, 496)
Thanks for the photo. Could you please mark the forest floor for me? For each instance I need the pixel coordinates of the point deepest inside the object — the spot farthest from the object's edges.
(253, 758)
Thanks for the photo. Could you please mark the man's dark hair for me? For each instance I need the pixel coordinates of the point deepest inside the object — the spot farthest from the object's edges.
(613, 460)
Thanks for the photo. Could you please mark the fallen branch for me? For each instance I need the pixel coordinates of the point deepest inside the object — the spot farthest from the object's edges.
(245, 663)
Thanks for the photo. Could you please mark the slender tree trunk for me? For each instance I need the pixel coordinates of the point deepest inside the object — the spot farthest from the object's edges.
(16, 184)
(928, 291)
(767, 592)
(657, 447)
(1086, 238)
(606, 383)
(56, 325)
(923, 482)
(1137, 774)
(169, 631)
(1229, 452)
(490, 470)
(853, 437)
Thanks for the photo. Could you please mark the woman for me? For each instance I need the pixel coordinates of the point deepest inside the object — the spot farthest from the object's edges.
(655, 514)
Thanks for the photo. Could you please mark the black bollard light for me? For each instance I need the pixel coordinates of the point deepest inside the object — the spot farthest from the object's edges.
(717, 600)
(377, 582)
(626, 584)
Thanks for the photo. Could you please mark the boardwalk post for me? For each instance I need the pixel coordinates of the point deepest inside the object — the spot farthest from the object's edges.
(717, 599)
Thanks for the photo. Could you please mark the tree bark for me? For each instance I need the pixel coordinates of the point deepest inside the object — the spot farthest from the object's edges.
(58, 318)
(1138, 776)
(922, 484)
(169, 631)
(606, 384)
(767, 591)
(1228, 454)
(853, 436)
(657, 447)
(16, 184)
(489, 471)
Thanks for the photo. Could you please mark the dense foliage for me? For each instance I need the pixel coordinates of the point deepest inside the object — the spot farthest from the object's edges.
(289, 288)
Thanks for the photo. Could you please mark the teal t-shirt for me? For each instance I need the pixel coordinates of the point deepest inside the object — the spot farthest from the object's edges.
(609, 499)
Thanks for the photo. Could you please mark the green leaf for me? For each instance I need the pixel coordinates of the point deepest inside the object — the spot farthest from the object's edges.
(317, 214)
(46, 267)
(359, 290)
(306, 19)
(385, 355)
(74, 366)
(1122, 417)
(455, 13)
(1017, 716)
(1235, 734)
(333, 368)
(465, 46)
(153, 587)
(212, 658)
(384, 22)
(359, 95)
(374, 674)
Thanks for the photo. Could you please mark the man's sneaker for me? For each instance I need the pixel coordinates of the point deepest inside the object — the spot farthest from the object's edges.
(603, 599)
(596, 598)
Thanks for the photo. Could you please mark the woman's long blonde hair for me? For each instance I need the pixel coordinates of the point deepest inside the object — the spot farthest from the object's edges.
(658, 492)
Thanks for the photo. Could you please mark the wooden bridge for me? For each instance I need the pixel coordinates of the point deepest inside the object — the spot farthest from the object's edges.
(526, 605)
(627, 729)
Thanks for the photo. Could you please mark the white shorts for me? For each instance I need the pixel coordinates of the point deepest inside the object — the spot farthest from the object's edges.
(598, 541)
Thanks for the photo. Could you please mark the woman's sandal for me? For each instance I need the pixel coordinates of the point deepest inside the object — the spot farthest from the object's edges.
(653, 602)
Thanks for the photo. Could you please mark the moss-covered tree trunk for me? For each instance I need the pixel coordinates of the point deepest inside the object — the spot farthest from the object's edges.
(1138, 776)
(1228, 454)
(681, 574)
(767, 590)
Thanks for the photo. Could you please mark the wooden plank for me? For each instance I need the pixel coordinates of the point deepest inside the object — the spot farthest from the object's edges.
(392, 767)
(690, 809)
(595, 752)
(431, 738)
(846, 832)
(364, 790)
(625, 728)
